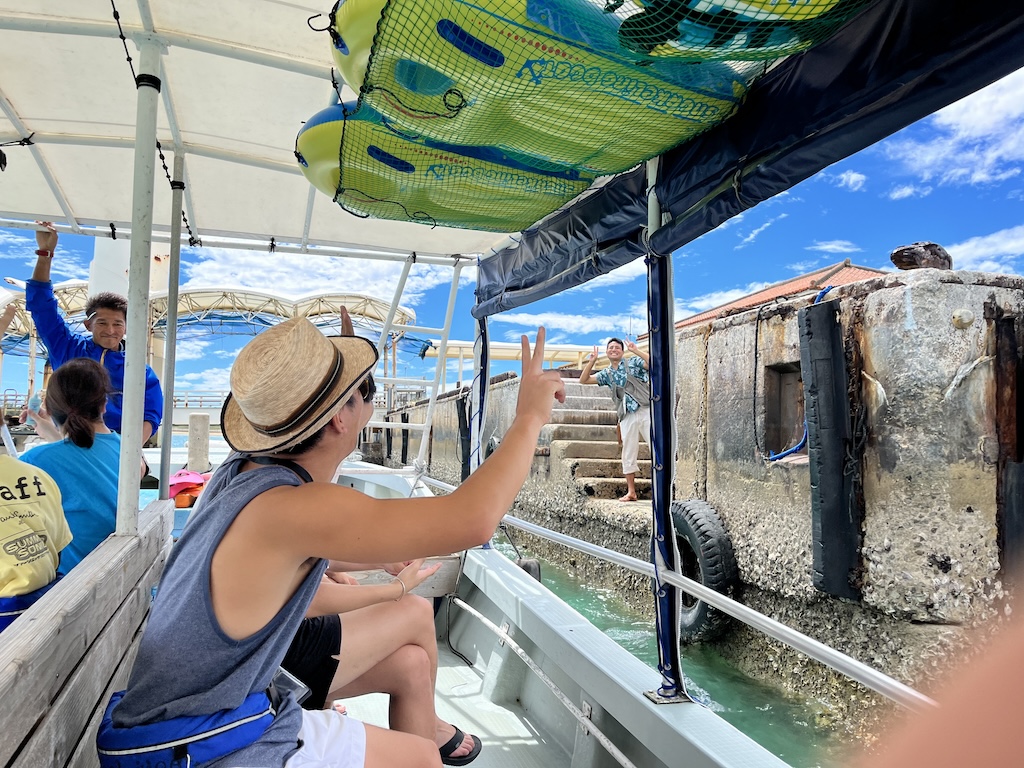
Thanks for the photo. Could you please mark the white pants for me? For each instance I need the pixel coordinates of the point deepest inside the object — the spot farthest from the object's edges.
(329, 740)
(634, 426)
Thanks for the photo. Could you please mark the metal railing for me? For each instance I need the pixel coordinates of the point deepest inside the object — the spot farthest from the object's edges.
(856, 670)
(199, 399)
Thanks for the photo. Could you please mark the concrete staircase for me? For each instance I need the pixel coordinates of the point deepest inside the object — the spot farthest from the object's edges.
(583, 437)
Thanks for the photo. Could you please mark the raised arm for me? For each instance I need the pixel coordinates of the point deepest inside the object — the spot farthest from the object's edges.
(46, 240)
(588, 367)
(342, 524)
(642, 354)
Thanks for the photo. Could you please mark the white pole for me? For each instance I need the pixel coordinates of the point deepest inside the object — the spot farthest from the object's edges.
(399, 290)
(171, 333)
(442, 357)
(148, 84)
(32, 344)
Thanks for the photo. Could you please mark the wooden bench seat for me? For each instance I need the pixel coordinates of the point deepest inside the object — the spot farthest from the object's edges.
(61, 660)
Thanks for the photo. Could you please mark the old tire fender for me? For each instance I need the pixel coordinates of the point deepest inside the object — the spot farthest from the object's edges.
(706, 555)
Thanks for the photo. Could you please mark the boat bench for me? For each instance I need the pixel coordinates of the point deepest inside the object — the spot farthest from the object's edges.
(61, 660)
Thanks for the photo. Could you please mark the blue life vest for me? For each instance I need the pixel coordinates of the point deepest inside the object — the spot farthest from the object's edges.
(12, 607)
(183, 742)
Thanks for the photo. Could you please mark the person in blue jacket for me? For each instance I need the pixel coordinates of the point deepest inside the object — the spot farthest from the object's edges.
(106, 316)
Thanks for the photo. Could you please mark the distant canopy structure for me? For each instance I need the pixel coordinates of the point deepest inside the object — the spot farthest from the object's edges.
(492, 115)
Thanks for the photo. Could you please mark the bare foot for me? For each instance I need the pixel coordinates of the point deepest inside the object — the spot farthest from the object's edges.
(443, 734)
(628, 497)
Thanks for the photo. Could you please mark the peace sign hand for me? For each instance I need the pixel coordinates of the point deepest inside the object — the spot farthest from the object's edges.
(631, 346)
(595, 354)
(538, 388)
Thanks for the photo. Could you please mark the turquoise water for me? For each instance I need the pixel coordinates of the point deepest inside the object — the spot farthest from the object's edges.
(782, 725)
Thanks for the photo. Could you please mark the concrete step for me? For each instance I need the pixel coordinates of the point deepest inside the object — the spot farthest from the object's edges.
(579, 403)
(575, 389)
(596, 449)
(580, 432)
(583, 417)
(586, 467)
(612, 487)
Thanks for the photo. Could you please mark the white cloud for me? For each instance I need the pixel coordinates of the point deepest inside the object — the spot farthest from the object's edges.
(996, 252)
(833, 246)
(217, 379)
(851, 180)
(568, 323)
(904, 191)
(714, 299)
(294, 275)
(731, 222)
(803, 266)
(977, 140)
(17, 241)
(190, 349)
(754, 234)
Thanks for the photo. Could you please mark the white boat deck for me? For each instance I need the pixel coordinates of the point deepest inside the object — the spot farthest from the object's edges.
(510, 737)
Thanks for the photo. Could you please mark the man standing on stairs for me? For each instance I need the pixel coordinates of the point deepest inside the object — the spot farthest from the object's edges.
(631, 390)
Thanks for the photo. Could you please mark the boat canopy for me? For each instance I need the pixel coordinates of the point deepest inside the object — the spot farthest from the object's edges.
(237, 80)
(896, 62)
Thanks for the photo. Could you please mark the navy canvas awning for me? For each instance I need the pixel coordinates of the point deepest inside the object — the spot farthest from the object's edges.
(895, 63)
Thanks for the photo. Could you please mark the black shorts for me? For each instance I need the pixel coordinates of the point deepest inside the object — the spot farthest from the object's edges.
(311, 656)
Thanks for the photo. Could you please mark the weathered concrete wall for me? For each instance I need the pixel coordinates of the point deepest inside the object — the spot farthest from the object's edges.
(930, 535)
(929, 481)
(919, 345)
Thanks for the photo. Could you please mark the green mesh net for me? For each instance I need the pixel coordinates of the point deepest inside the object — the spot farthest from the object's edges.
(492, 115)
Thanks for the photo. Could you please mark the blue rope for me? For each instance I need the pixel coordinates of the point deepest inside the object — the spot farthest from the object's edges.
(803, 440)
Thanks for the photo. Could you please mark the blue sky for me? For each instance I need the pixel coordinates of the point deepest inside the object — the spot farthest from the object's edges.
(953, 178)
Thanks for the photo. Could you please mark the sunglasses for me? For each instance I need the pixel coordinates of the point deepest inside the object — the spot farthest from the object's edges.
(367, 389)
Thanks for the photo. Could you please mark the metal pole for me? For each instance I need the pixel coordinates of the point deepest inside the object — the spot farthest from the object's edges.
(442, 352)
(399, 289)
(32, 344)
(478, 396)
(148, 84)
(664, 553)
(171, 332)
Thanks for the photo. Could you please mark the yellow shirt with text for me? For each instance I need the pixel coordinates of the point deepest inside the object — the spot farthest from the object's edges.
(33, 530)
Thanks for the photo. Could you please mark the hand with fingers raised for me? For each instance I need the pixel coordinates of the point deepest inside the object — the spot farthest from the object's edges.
(538, 388)
(346, 323)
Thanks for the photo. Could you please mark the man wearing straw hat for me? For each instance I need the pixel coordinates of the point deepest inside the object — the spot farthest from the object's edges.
(250, 560)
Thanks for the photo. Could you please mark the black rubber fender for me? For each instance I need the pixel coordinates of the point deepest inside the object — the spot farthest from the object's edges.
(530, 565)
(706, 555)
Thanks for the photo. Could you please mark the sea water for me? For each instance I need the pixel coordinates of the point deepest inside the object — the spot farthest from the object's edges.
(782, 724)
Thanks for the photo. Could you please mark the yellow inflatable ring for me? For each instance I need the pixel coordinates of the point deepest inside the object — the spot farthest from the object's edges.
(487, 74)
(373, 169)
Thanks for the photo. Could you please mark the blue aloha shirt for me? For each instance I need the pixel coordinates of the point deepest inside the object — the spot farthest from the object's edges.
(616, 377)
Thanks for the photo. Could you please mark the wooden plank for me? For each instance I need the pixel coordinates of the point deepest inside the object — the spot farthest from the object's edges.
(440, 584)
(40, 651)
(62, 728)
(84, 755)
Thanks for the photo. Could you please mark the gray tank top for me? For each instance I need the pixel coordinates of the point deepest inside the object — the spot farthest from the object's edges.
(186, 664)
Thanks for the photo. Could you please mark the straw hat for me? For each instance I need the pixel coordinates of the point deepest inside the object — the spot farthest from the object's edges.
(288, 382)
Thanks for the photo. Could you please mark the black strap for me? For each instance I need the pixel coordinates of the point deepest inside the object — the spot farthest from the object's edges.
(304, 476)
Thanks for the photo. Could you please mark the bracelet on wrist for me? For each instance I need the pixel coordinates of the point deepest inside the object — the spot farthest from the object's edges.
(404, 590)
(42, 252)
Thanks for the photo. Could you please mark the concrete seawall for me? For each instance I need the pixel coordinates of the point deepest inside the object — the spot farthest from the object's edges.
(932, 448)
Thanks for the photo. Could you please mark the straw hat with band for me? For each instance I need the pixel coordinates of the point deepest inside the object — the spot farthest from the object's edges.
(288, 382)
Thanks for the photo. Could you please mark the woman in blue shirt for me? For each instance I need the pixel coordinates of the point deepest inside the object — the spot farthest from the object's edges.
(84, 462)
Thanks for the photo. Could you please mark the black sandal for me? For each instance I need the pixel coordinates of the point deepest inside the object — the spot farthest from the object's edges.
(454, 743)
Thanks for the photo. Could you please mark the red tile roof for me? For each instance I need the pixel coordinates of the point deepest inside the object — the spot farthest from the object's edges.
(842, 273)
